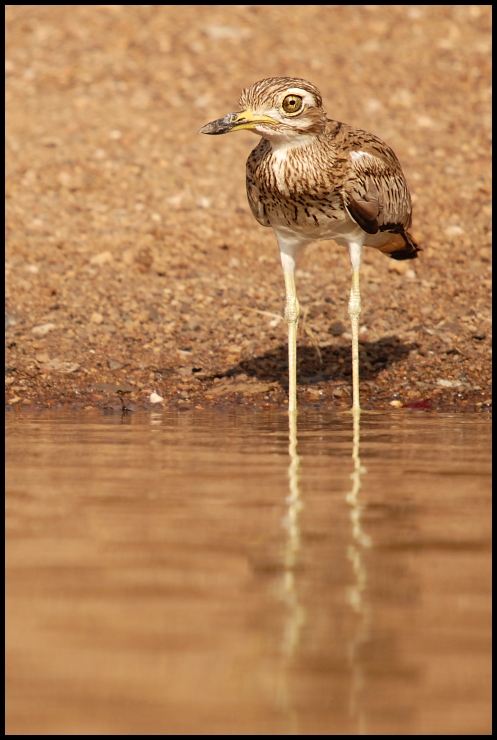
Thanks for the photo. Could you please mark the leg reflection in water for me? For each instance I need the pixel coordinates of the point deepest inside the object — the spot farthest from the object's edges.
(356, 593)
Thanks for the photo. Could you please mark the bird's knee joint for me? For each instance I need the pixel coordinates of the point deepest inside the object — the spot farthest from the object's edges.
(291, 310)
(354, 305)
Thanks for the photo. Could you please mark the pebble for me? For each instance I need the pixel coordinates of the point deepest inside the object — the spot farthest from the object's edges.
(59, 366)
(337, 328)
(453, 231)
(446, 383)
(101, 259)
(114, 365)
(155, 398)
(43, 329)
(399, 266)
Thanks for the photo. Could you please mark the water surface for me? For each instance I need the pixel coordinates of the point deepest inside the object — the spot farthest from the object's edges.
(203, 573)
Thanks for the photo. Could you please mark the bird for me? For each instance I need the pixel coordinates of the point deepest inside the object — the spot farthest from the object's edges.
(313, 178)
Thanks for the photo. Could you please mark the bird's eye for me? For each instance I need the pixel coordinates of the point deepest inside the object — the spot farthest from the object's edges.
(292, 104)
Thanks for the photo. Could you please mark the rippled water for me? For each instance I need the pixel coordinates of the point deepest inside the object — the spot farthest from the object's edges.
(219, 573)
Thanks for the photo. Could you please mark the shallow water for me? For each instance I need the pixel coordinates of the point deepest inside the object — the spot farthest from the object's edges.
(200, 573)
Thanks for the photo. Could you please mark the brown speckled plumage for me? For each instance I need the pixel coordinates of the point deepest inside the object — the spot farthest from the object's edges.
(320, 189)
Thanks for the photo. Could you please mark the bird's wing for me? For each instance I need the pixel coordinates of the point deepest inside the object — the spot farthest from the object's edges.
(254, 193)
(375, 191)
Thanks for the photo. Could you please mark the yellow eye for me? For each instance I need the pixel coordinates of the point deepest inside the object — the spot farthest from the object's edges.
(292, 104)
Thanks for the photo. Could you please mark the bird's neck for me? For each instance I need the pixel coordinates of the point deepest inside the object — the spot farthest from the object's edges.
(281, 145)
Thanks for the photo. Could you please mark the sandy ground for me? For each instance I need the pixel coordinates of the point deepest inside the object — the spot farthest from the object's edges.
(133, 262)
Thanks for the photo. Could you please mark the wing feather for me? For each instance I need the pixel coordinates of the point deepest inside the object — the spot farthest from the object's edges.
(375, 191)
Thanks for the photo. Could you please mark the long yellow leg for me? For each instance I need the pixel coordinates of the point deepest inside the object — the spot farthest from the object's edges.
(354, 313)
(292, 319)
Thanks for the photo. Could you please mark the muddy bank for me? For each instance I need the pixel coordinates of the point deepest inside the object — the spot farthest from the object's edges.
(133, 262)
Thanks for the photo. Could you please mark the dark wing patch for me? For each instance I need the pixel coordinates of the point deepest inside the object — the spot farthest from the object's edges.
(410, 250)
(364, 212)
(363, 199)
(377, 198)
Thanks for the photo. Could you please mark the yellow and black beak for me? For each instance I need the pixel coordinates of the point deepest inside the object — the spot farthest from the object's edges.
(245, 119)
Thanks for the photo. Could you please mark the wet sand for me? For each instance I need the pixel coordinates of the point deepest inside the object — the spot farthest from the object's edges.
(133, 262)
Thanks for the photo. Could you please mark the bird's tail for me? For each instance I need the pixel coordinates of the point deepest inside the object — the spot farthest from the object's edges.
(409, 251)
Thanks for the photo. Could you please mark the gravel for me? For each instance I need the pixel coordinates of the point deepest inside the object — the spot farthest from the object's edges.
(132, 257)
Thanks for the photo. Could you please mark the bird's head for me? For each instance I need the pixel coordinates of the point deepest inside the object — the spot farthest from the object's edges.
(277, 108)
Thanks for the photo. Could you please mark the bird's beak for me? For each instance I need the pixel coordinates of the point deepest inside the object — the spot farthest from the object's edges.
(245, 119)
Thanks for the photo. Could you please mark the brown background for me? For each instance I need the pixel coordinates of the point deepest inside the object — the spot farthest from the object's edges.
(132, 258)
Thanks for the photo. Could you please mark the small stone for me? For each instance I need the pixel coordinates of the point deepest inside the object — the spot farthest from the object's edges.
(114, 365)
(127, 256)
(108, 328)
(399, 266)
(42, 357)
(60, 366)
(396, 404)
(445, 383)
(101, 259)
(96, 318)
(194, 323)
(43, 329)
(453, 231)
(155, 398)
(218, 32)
(144, 259)
(337, 328)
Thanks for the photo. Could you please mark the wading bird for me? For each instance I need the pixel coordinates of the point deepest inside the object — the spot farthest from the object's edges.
(313, 178)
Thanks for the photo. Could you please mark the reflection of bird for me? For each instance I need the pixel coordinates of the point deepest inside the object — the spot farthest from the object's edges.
(313, 178)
